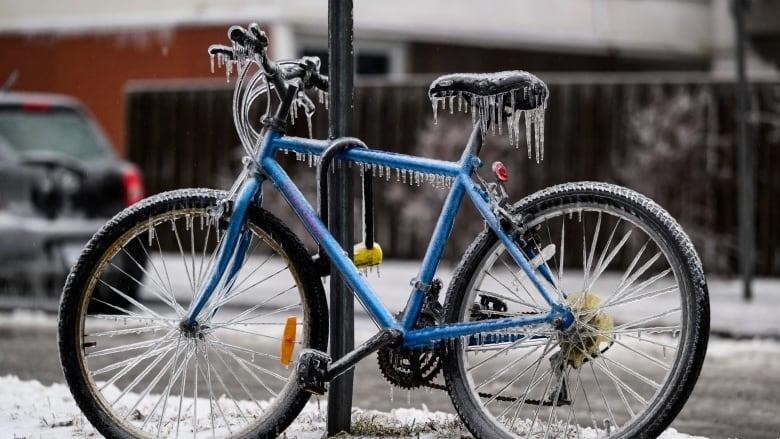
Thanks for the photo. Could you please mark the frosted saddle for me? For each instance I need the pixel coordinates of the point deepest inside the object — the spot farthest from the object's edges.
(493, 98)
(523, 90)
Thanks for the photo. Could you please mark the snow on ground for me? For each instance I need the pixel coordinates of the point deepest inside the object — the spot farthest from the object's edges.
(31, 410)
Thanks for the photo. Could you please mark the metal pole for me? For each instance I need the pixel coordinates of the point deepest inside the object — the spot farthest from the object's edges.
(342, 324)
(745, 203)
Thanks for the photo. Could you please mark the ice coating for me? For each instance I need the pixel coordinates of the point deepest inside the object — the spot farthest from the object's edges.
(252, 84)
(497, 99)
(491, 112)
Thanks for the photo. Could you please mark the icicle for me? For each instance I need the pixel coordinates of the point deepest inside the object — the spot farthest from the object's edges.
(151, 233)
(460, 102)
(211, 61)
(387, 173)
(403, 176)
(379, 174)
(528, 121)
(443, 103)
(308, 122)
(516, 123)
(492, 110)
(473, 112)
(397, 174)
(435, 103)
(326, 101)
(228, 70)
(452, 106)
(321, 96)
(541, 131)
(500, 112)
(510, 129)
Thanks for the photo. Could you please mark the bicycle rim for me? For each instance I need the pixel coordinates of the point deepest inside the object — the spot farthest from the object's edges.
(153, 379)
(615, 365)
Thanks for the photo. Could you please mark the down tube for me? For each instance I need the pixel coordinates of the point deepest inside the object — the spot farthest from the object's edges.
(320, 233)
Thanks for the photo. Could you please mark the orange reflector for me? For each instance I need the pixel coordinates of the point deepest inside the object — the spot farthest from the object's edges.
(288, 340)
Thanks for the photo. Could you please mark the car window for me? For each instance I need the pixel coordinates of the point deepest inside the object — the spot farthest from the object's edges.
(58, 129)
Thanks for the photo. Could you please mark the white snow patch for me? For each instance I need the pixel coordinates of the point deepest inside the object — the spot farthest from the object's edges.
(31, 410)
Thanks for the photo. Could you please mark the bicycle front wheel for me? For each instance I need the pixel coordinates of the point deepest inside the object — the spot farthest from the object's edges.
(135, 372)
(626, 366)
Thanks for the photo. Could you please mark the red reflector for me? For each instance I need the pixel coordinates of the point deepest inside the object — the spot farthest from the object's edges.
(33, 106)
(133, 184)
(500, 171)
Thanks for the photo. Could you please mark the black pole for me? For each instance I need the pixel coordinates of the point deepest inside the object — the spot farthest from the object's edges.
(342, 340)
(746, 233)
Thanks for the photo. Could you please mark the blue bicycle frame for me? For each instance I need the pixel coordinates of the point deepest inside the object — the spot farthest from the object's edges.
(235, 242)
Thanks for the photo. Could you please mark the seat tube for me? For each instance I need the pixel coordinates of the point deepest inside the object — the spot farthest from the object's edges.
(435, 249)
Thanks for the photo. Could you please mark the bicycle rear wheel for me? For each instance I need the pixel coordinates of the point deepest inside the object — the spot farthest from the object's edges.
(135, 372)
(631, 359)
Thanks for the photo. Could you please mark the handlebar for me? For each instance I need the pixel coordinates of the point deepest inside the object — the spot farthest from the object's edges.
(255, 42)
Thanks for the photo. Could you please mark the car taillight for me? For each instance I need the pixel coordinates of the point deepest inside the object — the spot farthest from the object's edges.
(36, 106)
(133, 184)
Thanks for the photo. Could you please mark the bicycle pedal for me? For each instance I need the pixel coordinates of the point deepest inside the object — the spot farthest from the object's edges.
(312, 371)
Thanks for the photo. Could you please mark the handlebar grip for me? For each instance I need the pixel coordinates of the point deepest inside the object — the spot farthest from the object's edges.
(243, 38)
(259, 34)
(319, 81)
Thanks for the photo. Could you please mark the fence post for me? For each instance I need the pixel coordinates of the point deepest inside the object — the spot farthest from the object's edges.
(342, 340)
(745, 201)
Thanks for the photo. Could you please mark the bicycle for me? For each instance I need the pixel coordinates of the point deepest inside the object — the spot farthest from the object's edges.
(525, 347)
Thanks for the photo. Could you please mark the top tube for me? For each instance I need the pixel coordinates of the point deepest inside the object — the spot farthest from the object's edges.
(359, 155)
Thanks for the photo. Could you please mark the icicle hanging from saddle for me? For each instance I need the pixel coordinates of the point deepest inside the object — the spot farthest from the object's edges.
(491, 112)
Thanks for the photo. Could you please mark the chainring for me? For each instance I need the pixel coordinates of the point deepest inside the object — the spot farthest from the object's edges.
(411, 368)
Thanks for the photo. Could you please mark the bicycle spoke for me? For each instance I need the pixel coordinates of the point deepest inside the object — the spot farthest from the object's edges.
(224, 300)
(238, 380)
(162, 259)
(501, 371)
(636, 298)
(644, 320)
(130, 367)
(604, 262)
(240, 317)
(164, 295)
(518, 299)
(244, 365)
(130, 299)
(589, 260)
(190, 279)
(499, 352)
(520, 283)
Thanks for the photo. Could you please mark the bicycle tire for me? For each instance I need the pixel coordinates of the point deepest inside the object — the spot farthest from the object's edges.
(186, 206)
(564, 201)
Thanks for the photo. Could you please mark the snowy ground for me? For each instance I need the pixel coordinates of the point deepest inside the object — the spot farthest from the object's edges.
(30, 410)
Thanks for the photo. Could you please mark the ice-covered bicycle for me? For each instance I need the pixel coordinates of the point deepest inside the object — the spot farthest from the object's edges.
(579, 311)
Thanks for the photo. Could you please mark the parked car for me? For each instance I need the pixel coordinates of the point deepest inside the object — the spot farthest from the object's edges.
(60, 180)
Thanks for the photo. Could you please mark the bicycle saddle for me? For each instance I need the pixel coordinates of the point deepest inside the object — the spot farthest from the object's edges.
(528, 92)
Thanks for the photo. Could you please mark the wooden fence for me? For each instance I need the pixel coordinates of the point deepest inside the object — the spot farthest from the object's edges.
(667, 136)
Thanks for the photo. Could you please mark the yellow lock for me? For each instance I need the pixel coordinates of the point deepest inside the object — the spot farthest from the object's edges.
(367, 257)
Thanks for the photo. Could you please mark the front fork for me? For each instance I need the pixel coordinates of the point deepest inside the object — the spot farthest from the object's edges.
(230, 257)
